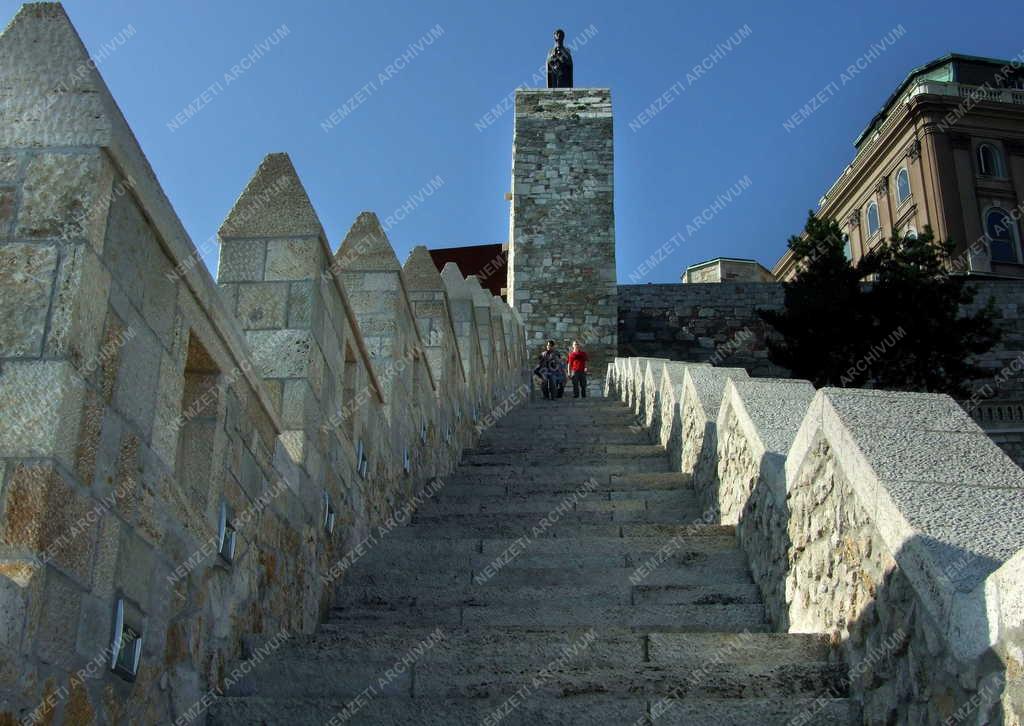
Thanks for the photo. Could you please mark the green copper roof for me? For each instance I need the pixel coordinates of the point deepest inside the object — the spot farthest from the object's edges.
(915, 73)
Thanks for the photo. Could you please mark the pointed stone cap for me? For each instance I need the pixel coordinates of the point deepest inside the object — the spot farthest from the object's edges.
(420, 272)
(455, 283)
(366, 248)
(273, 204)
(480, 295)
(53, 95)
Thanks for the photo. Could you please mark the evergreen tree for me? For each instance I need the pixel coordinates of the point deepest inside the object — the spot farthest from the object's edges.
(902, 330)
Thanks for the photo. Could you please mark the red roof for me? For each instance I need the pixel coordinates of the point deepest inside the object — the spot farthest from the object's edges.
(488, 262)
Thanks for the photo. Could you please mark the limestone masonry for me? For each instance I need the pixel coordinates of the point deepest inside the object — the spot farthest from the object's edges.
(316, 489)
(562, 227)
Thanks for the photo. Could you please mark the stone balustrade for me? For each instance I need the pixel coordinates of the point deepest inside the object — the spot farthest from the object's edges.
(887, 520)
(186, 464)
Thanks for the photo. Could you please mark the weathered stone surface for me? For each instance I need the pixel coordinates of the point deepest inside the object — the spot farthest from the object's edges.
(66, 196)
(263, 306)
(273, 204)
(562, 246)
(27, 273)
(294, 259)
(241, 260)
(41, 404)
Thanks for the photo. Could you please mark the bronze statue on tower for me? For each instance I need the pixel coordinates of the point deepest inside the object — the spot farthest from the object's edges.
(559, 63)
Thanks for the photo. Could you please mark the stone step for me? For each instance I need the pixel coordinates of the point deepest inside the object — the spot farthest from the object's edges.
(569, 710)
(541, 454)
(313, 675)
(485, 592)
(557, 616)
(577, 470)
(606, 648)
(546, 484)
(563, 513)
(711, 569)
(568, 526)
(567, 436)
(542, 503)
(551, 552)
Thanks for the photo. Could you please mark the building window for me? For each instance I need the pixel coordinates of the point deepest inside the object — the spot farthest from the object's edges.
(990, 161)
(910, 232)
(1001, 233)
(847, 249)
(873, 224)
(902, 186)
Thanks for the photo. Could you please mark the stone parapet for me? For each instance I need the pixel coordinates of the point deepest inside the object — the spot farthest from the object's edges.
(198, 463)
(885, 520)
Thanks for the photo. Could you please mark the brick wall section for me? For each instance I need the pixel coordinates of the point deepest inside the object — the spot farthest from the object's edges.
(562, 251)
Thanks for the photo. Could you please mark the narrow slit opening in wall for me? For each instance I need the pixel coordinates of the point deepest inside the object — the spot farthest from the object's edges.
(200, 410)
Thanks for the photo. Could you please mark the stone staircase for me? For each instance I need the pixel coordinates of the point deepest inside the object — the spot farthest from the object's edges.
(514, 597)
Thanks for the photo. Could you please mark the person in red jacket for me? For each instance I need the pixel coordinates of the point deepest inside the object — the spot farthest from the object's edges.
(578, 370)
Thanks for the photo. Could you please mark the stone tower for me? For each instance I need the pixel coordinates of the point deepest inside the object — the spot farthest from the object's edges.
(562, 226)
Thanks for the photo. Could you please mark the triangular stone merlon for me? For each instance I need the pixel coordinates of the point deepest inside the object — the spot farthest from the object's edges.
(54, 98)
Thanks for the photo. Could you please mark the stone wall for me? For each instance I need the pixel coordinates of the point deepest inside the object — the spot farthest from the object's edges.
(888, 521)
(562, 244)
(718, 323)
(193, 461)
(714, 322)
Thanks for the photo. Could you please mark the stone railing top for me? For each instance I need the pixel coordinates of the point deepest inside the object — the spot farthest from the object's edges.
(770, 410)
(708, 386)
(673, 374)
(944, 498)
(55, 97)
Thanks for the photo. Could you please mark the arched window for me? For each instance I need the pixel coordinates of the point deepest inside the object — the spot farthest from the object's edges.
(847, 249)
(902, 186)
(910, 232)
(1001, 232)
(990, 161)
(873, 224)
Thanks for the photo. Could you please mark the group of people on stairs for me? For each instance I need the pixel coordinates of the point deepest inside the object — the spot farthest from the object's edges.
(553, 371)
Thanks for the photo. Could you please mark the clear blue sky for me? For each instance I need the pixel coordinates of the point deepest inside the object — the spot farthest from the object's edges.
(421, 123)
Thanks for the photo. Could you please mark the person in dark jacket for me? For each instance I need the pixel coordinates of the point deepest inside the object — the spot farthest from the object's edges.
(551, 371)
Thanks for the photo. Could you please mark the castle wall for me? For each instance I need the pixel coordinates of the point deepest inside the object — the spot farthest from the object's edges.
(718, 323)
(562, 246)
(151, 417)
(886, 521)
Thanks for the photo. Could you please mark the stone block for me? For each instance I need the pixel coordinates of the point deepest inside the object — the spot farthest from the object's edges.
(41, 404)
(296, 394)
(300, 304)
(241, 260)
(13, 608)
(262, 305)
(45, 516)
(79, 307)
(57, 630)
(134, 393)
(66, 195)
(7, 200)
(108, 545)
(27, 275)
(294, 259)
(135, 570)
(95, 627)
(280, 353)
